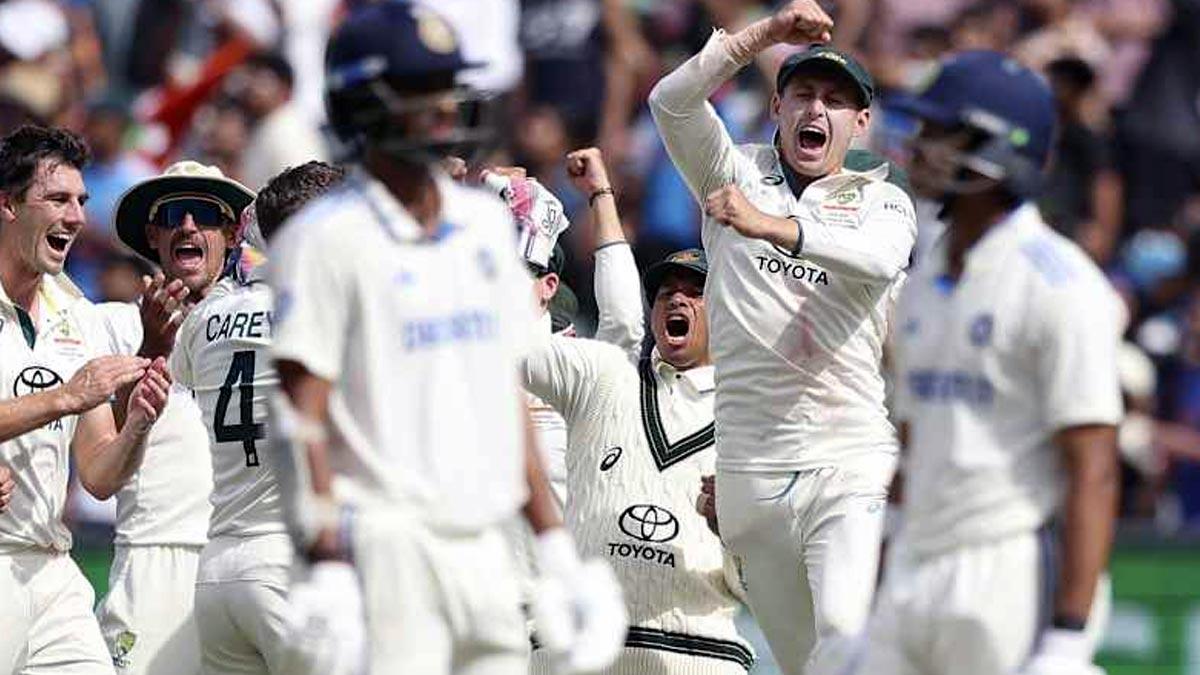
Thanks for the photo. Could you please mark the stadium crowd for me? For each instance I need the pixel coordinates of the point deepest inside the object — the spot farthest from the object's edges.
(237, 84)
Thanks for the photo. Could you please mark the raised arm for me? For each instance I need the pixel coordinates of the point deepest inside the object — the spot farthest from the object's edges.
(694, 136)
(616, 280)
(91, 385)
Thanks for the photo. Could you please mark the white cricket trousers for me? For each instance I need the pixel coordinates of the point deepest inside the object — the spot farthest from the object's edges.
(48, 627)
(146, 618)
(438, 603)
(974, 609)
(807, 547)
(241, 604)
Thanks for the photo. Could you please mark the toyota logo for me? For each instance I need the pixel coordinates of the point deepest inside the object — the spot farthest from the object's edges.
(34, 379)
(647, 522)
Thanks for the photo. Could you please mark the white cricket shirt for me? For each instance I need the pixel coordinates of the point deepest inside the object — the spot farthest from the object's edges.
(166, 501)
(797, 341)
(420, 338)
(640, 436)
(989, 368)
(68, 334)
(222, 353)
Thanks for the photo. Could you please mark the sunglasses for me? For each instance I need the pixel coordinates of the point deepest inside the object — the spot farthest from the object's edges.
(206, 211)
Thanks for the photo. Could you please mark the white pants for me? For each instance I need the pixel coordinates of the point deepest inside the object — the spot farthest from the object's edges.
(241, 604)
(437, 603)
(807, 545)
(975, 609)
(146, 618)
(47, 626)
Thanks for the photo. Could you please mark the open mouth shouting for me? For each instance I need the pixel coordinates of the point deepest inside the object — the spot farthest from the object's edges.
(678, 326)
(188, 255)
(811, 140)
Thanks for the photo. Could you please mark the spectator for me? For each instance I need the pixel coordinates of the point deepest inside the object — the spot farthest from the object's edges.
(1082, 196)
(121, 279)
(280, 134)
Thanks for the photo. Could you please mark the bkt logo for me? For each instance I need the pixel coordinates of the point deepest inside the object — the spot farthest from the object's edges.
(34, 379)
(647, 522)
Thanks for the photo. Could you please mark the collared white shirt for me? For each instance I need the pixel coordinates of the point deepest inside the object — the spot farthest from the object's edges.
(67, 334)
(989, 368)
(222, 353)
(420, 338)
(640, 436)
(797, 340)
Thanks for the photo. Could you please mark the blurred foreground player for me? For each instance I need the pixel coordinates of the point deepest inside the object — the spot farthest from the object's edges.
(1007, 381)
(401, 310)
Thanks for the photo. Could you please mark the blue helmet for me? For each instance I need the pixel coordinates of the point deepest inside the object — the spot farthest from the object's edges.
(1009, 108)
(389, 58)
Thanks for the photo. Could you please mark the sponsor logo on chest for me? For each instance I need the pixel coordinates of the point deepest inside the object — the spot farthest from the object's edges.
(646, 524)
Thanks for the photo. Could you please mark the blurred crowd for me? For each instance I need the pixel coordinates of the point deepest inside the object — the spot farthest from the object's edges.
(237, 84)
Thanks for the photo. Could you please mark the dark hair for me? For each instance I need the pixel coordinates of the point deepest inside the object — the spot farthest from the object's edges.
(1072, 71)
(290, 190)
(28, 145)
(133, 262)
(276, 63)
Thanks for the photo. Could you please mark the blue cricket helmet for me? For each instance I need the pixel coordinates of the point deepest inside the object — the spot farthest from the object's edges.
(387, 58)
(1009, 106)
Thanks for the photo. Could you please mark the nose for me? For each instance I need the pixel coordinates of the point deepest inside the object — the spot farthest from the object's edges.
(75, 214)
(188, 224)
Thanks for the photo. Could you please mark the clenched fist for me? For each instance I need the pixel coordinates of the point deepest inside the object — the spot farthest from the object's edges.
(7, 485)
(729, 207)
(100, 378)
(587, 171)
(706, 502)
(801, 22)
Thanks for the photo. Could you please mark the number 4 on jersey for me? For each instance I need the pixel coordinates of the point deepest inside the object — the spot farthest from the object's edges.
(241, 373)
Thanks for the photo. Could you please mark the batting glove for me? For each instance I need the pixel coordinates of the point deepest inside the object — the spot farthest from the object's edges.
(539, 214)
(326, 630)
(577, 607)
(1062, 652)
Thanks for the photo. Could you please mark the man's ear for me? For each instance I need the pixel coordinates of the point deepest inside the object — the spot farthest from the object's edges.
(862, 123)
(230, 235)
(8, 207)
(549, 286)
(776, 103)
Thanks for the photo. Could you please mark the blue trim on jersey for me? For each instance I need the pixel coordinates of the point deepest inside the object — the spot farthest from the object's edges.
(944, 283)
(1048, 261)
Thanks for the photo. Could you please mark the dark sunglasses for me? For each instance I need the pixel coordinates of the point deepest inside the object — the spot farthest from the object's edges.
(206, 211)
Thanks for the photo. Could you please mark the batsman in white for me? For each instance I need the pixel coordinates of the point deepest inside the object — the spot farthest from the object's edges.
(401, 310)
(182, 221)
(1005, 354)
(806, 258)
(222, 355)
(55, 384)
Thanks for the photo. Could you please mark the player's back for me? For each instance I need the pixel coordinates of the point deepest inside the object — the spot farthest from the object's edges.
(420, 337)
(989, 368)
(222, 354)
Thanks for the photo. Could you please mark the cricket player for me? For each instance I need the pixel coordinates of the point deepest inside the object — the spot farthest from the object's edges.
(640, 438)
(56, 378)
(222, 355)
(400, 312)
(1007, 382)
(182, 221)
(806, 258)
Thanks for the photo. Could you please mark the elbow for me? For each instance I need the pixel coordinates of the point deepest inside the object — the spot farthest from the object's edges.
(99, 489)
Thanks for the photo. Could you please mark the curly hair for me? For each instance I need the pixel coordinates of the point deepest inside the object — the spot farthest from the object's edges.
(25, 147)
(290, 190)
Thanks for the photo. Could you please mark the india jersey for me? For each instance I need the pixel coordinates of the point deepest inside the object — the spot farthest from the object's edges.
(166, 501)
(639, 438)
(797, 340)
(989, 368)
(420, 338)
(34, 358)
(222, 355)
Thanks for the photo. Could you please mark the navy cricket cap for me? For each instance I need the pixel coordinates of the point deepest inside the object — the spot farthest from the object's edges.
(822, 58)
(391, 39)
(991, 91)
(691, 260)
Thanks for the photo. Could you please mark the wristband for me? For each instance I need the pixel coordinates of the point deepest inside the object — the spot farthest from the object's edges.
(599, 193)
(795, 252)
